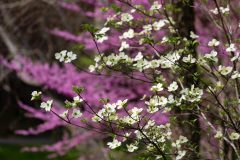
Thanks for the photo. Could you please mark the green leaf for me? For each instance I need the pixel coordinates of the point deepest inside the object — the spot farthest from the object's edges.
(68, 104)
(104, 9)
(78, 90)
(104, 100)
(90, 28)
(148, 40)
(116, 8)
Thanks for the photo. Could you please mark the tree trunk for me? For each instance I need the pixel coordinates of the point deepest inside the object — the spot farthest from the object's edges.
(192, 130)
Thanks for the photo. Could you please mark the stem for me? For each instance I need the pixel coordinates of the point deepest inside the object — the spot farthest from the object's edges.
(229, 42)
(154, 144)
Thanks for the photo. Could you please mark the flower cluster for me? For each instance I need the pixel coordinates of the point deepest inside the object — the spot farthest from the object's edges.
(222, 10)
(101, 34)
(65, 56)
(157, 135)
(181, 82)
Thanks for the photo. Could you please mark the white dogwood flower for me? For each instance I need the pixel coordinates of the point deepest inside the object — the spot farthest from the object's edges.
(165, 39)
(102, 38)
(120, 104)
(64, 114)
(103, 30)
(214, 11)
(124, 45)
(213, 43)
(189, 59)
(126, 17)
(235, 75)
(159, 24)
(173, 87)
(131, 147)
(222, 10)
(92, 68)
(76, 113)
(109, 109)
(47, 105)
(162, 101)
(180, 155)
(234, 136)
(231, 48)
(114, 144)
(152, 109)
(225, 70)
(155, 6)
(135, 112)
(101, 34)
(193, 35)
(182, 139)
(61, 55)
(35, 95)
(128, 34)
(65, 56)
(76, 100)
(70, 57)
(211, 56)
(157, 88)
(147, 28)
(138, 57)
(218, 135)
(225, 10)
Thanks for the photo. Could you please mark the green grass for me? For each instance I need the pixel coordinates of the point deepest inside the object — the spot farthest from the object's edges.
(13, 152)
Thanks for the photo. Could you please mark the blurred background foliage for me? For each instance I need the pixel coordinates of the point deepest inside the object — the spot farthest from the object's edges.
(25, 27)
(32, 31)
(36, 29)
